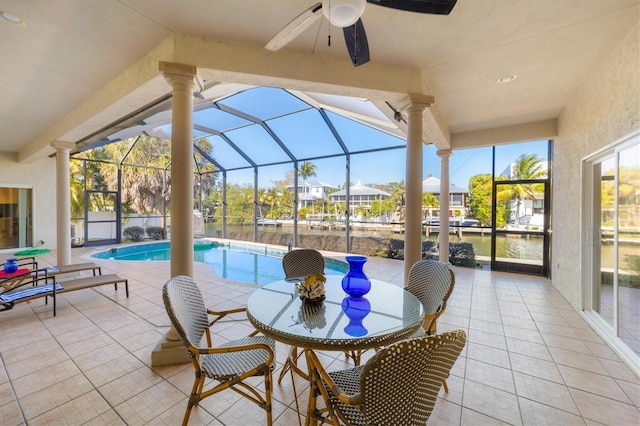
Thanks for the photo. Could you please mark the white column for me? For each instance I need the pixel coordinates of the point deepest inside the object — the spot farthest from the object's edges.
(413, 182)
(443, 234)
(184, 82)
(63, 202)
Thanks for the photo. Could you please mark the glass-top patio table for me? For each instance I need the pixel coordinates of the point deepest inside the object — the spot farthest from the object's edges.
(385, 315)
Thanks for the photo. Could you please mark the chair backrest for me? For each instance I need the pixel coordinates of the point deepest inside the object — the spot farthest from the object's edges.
(400, 383)
(432, 282)
(302, 262)
(186, 309)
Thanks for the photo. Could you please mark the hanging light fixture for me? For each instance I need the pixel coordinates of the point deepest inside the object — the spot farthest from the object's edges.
(343, 13)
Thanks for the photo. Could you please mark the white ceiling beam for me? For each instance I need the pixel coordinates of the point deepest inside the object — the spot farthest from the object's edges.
(538, 130)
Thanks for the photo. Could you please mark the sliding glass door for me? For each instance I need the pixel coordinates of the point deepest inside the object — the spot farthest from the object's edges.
(612, 243)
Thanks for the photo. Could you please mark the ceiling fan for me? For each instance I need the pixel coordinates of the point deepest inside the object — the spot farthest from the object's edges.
(346, 14)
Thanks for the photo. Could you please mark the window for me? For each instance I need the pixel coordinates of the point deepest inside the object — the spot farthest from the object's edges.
(16, 217)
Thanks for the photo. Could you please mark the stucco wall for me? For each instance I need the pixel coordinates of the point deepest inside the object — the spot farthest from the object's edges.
(606, 109)
(42, 175)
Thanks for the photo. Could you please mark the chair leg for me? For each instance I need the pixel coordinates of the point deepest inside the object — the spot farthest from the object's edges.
(444, 385)
(295, 395)
(356, 356)
(194, 398)
(290, 363)
(268, 386)
(286, 367)
(185, 420)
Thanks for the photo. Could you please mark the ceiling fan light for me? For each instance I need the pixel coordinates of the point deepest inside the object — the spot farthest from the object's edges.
(343, 13)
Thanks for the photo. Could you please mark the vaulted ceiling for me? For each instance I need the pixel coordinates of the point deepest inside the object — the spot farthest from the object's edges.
(79, 70)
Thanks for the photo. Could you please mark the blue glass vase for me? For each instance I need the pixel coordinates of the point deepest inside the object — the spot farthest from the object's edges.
(356, 308)
(356, 283)
(11, 265)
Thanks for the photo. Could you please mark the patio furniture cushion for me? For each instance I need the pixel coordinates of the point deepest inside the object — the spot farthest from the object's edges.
(28, 293)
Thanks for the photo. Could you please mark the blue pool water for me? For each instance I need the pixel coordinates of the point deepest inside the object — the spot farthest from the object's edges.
(237, 262)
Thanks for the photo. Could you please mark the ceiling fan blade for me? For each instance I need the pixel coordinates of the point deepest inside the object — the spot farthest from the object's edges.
(295, 27)
(436, 7)
(356, 40)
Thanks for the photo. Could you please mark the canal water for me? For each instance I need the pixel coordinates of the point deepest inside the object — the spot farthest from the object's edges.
(506, 247)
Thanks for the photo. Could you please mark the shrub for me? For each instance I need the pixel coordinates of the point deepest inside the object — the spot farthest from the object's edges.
(155, 232)
(395, 249)
(430, 250)
(134, 233)
(460, 254)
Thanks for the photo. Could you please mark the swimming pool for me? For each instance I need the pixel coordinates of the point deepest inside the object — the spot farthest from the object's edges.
(238, 262)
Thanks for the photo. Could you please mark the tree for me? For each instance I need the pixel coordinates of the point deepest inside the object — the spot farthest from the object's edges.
(204, 172)
(284, 203)
(377, 207)
(143, 180)
(397, 191)
(362, 211)
(271, 198)
(480, 201)
(213, 200)
(304, 212)
(526, 167)
(480, 197)
(340, 209)
(93, 179)
(239, 203)
(307, 169)
(429, 202)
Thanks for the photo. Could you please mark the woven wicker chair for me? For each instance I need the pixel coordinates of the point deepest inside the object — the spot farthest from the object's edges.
(399, 385)
(229, 364)
(432, 283)
(297, 264)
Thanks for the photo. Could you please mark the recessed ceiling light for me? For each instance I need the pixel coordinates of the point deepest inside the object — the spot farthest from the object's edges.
(507, 78)
(12, 18)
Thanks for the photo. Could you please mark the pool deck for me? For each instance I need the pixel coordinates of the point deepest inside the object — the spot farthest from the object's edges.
(530, 358)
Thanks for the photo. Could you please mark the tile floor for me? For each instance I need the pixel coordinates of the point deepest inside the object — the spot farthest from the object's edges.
(530, 358)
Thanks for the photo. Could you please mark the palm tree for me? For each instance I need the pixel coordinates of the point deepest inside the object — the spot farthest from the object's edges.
(271, 199)
(307, 169)
(429, 203)
(526, 167)
(142, 187)
(362, 211)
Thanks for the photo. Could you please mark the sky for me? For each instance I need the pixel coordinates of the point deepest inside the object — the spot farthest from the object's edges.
(306, 134)
(389, 166)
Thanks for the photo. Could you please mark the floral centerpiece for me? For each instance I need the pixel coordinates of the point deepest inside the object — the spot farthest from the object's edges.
(311, 290)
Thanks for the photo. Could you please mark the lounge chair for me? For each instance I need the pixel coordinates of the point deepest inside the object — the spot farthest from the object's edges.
(14, 290)
(75, 267)
(26, 284)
